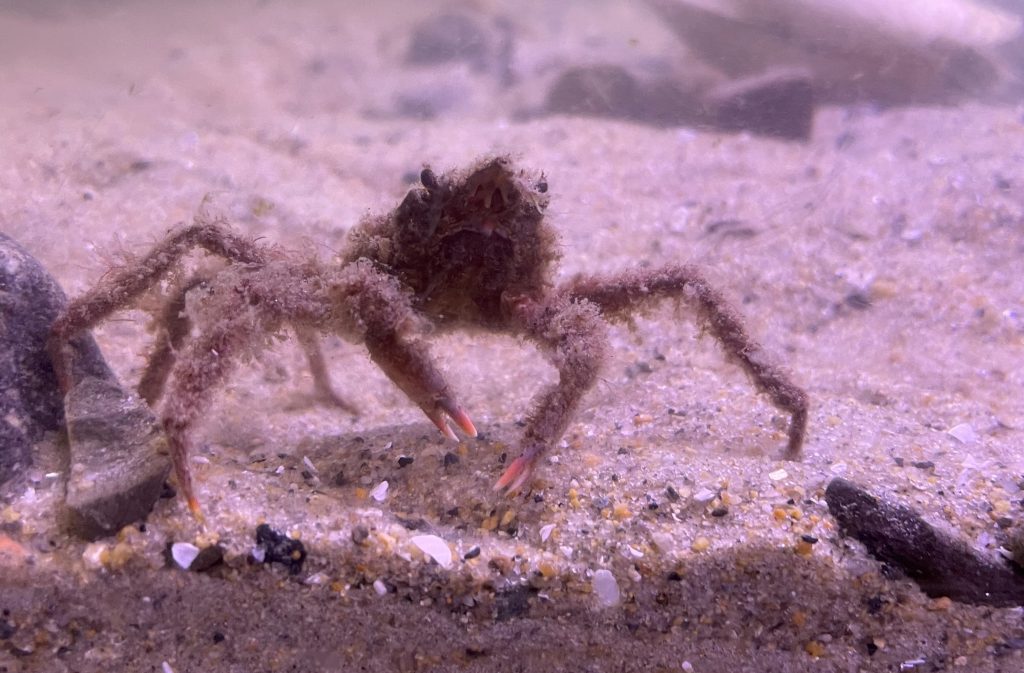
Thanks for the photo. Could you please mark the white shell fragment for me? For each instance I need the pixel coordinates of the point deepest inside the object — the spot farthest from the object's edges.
(545, 532)
(380, 491)
(434, 547)
(606, 588)
(184, 553)
(705, 495)
(963, 433)
(778, 475)
(380, 587)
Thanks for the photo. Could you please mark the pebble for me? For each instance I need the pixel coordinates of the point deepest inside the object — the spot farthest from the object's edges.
(380, 587)
(434, 547)
(606, 588)
(778, 475)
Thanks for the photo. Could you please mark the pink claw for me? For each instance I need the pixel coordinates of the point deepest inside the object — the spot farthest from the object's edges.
(517, 475)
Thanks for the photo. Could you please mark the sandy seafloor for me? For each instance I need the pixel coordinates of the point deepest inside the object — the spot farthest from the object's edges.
(880, 261)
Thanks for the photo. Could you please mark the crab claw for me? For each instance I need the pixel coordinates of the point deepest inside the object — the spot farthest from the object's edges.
(517, 474)
(446, 409)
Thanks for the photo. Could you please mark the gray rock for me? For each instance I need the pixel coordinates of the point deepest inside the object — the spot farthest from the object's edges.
(30, 403)
(119, 458)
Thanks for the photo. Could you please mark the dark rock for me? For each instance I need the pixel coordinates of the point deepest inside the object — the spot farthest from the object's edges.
(777, 104)
(449, 37)
(208, 558)
(30, 402)
(279, 548)
(598, 91)
(940, 564)
(118, 458)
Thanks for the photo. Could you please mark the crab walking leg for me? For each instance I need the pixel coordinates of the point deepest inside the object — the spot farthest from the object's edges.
(575, 339)
(203, 367)
(116, 290)
(310, 342)
(408, 364)
(383, 310)
(174, 327)
(620, 296)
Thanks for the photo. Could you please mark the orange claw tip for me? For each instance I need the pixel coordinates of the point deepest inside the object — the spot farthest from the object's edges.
(515, 476)
(443, 426)
(195, 508)
(462, 420)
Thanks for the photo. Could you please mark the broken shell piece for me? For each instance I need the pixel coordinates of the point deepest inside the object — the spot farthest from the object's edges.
(380, 491)
(606, 588)
(434, 547)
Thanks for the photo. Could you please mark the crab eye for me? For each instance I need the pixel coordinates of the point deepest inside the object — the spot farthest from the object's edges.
(541, 186)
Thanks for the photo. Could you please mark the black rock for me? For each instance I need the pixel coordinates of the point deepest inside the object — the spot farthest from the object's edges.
(279, 548)
(30, 403)
(940, 564)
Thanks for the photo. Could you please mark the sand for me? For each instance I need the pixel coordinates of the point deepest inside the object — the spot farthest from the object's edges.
(879, 261)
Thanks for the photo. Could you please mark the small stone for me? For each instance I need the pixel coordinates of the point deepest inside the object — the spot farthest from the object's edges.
(778, 475)
(360, 534)
(700, 544)
(719, 511)
(606, 588)
(672, 493)
(450, 459)
(405, 461)
(209, 557)
(184, 553)
(380, 587)
(434, 547)
(94, 555)
(471, 554)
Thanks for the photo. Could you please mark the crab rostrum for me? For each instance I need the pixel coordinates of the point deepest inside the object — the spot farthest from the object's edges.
(465, 250)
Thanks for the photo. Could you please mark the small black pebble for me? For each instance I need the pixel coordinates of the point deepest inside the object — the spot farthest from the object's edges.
(218, 637)
(898, 461)
(872, 648)
(207, 558)
(538, 497)
(720, 511)
(623, 451)
(503, 457)
(675, 577)
(360, 534)
(1004, 522)
(339, 479)
(791, 502)
(923, 464)
(672, 493)
(601, 502)
(809, 539)
(451, 459)
(472, 553)
(404, 461)
(168, 491)
(281, 548)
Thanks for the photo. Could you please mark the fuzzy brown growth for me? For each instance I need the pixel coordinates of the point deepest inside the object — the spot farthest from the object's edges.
(462, 250)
